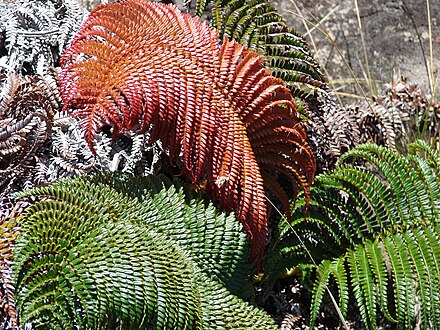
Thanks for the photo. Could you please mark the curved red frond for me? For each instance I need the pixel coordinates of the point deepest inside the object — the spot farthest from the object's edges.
(137, 65)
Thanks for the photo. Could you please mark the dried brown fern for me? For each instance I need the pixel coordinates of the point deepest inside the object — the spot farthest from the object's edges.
(331, 130)
(218, 112)
(398, 116)
(420, 113)
(27, 107)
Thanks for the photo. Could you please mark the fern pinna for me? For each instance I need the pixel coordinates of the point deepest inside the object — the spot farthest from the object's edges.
(138, 65)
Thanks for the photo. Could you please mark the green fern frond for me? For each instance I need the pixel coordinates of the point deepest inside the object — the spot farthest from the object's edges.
(222, 310)
(341, 279)
(375, 253)
(424, 267)
(402, 177)
(411, 266)
(382, 217)
(205, 232)
(369, 195)
(404, 287)
(257, 25)
(430, 154)
(109, 251)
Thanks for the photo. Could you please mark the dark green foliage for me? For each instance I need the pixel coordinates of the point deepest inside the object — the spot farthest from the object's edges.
(374, 229)
(108, 251)
(257, 25)
(210, 237)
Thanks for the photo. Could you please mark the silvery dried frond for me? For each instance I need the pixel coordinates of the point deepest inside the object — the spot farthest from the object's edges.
(72, 18)
(69, 154)
(40, 144)
(135, 155)
(27, 107)
(291, 322)
(34, 33)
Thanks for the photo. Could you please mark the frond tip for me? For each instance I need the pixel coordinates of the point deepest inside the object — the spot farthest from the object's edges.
(219, 113)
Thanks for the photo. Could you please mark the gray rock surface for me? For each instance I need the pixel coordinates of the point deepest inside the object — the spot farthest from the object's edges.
(394, 34)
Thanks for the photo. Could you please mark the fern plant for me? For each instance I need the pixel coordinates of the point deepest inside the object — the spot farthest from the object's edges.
(127, 252)
(374, 230)
(217, 111)
(257, 25)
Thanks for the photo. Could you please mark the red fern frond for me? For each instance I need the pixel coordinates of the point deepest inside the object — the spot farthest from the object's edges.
(138, 65)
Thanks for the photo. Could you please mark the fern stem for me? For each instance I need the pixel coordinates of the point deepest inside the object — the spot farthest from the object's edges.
(38, 33)
(321, 21)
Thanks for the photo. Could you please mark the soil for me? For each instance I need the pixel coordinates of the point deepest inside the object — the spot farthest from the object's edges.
(396, 38)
